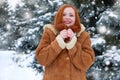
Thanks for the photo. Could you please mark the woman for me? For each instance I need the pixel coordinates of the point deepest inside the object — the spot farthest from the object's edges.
(65, 48)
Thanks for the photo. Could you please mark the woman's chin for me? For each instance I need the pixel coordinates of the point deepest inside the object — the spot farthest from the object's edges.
(68, 25)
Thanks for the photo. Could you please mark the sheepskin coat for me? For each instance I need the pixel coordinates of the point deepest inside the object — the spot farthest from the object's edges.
(70, 63)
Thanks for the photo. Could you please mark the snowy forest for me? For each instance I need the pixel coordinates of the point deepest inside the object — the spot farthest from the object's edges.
(21, 27)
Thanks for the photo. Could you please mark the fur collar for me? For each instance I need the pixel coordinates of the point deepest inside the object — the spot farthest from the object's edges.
(55, 31)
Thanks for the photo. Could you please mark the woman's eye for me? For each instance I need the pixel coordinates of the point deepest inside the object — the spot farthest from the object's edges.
(71, 15)
(64, 14)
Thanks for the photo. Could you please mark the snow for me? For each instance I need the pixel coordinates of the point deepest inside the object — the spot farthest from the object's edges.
(11, 71)
(97, 40)
(13, 4)
(102, 29)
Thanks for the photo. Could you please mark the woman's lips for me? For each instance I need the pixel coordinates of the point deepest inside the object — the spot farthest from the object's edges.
(67, 21)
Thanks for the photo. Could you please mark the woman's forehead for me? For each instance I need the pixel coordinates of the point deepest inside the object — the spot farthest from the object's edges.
(68, 9)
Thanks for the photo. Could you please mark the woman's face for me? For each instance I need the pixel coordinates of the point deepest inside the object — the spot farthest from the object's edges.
(69, 16)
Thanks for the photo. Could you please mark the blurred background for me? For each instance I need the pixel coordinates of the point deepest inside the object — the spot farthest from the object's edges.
(21, 27)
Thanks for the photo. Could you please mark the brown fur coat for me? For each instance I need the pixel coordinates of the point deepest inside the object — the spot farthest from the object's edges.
(70, 63)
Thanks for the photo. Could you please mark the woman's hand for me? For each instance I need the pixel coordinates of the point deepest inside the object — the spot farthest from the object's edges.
(70, 33)
(64, 33)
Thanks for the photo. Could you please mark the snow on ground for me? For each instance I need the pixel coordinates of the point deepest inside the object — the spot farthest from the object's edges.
(11, 71)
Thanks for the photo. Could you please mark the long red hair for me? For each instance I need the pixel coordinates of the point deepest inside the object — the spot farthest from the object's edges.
(59, 17)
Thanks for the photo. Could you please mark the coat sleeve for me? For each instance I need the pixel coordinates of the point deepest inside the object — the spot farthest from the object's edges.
(82, 54)
(47, 50)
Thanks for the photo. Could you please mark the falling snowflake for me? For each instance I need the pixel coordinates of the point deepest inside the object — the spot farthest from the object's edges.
(102, 29)
(27, 15)
(8, 27)
(107, 63)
